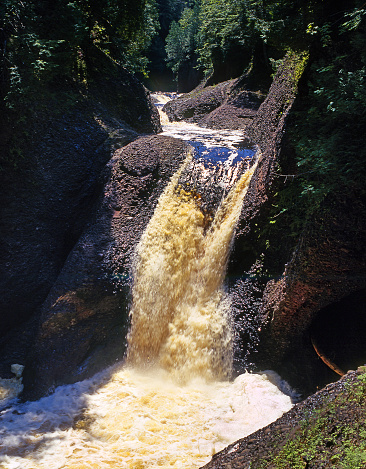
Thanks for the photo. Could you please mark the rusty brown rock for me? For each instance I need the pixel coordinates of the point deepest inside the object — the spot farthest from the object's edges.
(325, 266)
(267, 129)
(328, 264)
(84, 320)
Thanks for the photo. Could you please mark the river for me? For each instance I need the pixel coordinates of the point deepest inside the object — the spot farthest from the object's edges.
(173, 403)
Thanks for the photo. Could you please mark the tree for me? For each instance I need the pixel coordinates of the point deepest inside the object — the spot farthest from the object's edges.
(48, 38)
(181, 45)
(234, 35)
(329, 138)
(325, 149)
(225, 34)
(181, 41)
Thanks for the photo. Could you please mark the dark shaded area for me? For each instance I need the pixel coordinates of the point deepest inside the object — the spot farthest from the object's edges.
(251, 65)
(48, 200)
(189, 76)
(161, 77)
(229, 64)
(327, 265)
(339, 330)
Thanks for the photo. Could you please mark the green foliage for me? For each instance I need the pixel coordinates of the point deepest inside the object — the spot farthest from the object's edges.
(46, 47)
(182, 39)
(326, 154)
(169, 11)
(223, 28)
(228, 31)
(44, 40)
(334, 433)
(133, 53)
(354, 21)
(161, 76)
(329, 137)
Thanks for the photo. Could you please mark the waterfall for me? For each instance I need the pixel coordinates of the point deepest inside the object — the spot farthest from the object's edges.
(181, 313)
(172, 404)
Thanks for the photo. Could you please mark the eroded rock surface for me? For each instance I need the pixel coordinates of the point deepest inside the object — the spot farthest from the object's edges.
(46, 202)
(84, 320)
(324, 265)
(327, 265)
(223, 106)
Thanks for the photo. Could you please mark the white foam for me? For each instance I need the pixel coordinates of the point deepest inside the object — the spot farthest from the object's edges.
(137, 420)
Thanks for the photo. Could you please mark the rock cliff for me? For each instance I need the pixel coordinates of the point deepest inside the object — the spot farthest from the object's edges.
(46, 202)
(278, 300)
(281, 295)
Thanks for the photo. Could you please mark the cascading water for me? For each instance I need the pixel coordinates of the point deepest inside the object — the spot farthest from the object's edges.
(180, 314)
(172, 404)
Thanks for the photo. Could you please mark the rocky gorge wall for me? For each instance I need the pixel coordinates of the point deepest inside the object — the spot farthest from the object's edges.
(225, 105)
(47, 201)
(279, 294)
(325, 264)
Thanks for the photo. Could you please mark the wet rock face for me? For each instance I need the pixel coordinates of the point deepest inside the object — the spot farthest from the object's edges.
(328, 266)
(46, 203)
(210, 180)
(84, 320)
(188, 76)
(275, 315)
(44, 208)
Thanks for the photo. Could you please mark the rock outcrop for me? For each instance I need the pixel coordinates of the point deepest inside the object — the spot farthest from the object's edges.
(267, 129)
(227, 105)
(84, 320)
(46, 201)
(325, 265)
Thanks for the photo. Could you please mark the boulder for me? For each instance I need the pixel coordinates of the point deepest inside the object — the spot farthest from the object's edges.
(84, 321)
